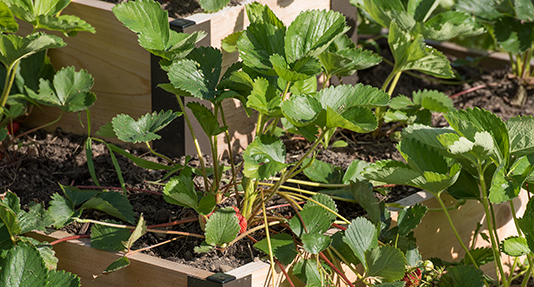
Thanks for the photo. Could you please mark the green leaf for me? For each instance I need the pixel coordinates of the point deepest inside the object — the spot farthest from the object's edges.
(523, 9)
(486, 9)
(312, 32)
(222, 227)
(316, 220)
(470, 121)
(433, 100)
(117, 265)
(61, 278)
(206, 118)
(151, 24)
(307, 86)
(61, 210)
(363, 192)
(7, 20)
(283, 247)
(264, 98)
(70, 90)
(109, 238)
(427, 135)
(507, 184)
(386, 11)
(343, 248)
(258, 43)
(140, 230)
(521, 133)
(315, 242)
(450, 24)
(306, 271)
(410, 217)
(361, 236)
(526, 223)
(303, 110)
(346, 62)
(37, 218)
(112, 203)
(179, 190)
(213, 5)
(23, 267)
(421, 157)
(415, 55)
(320, 171)
(186, 76)
(257, 12)
(144, 129)
(513, 35)
(386, 262)
(210, 66)
(301, 69)
(326, 201)
(354, 171)
(68, 24)
(264, 157)
(462, 276)
(391, 172)
(13, 48)
(421, 9)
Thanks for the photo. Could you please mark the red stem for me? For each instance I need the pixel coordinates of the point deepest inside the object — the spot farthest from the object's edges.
(187, 220)
(116, 188)
(335, 269)
(73, 237)
(339, 226)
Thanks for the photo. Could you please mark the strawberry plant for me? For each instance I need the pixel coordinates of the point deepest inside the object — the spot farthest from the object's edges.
(26, 73)
(479, 157)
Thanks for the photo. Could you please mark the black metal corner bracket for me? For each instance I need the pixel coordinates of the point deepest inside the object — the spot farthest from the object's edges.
(172, 140)
(220, 280)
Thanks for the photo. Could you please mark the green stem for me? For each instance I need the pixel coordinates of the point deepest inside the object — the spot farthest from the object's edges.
(230, 154)
(394, 83)
(158, 154)
(323, 206)
(10, 78)
(444, 208)
(259, 125)
(314, 184)
(491, 227)
(195, 141)
(308, 192)
(267, 236)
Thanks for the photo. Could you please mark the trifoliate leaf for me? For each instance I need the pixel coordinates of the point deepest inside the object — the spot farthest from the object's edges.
(301, 69)
(70, 90)
(306, 271)
(264, 98)
(363, 192)
(13, 48)
(258, 43)
(68, 24)
(180, 190)
(206, 118)
(144, 129)
(320, 171)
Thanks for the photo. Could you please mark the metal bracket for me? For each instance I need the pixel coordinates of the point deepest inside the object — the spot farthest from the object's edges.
(220, 280)
(172, 140)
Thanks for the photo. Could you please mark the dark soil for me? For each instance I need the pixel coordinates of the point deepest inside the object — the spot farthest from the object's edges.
(45, 160)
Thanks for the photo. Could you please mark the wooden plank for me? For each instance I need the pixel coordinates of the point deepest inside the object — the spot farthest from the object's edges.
(435, 237)
(78, 257)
